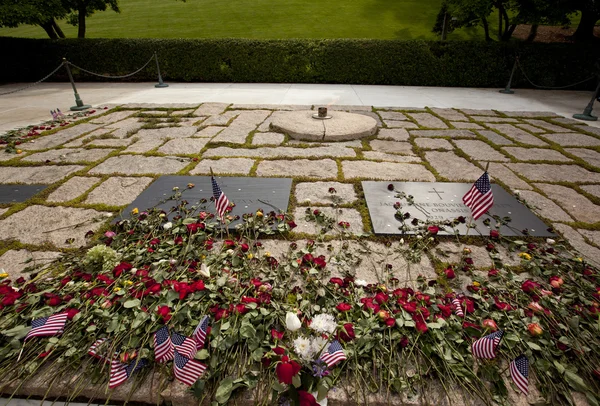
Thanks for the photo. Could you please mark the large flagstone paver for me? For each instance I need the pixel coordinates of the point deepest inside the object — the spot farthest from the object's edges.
(442, 133)
(113, 117)
(592, 235)
(554, 173)
(428, 120)
(110, 142)
(592, 189)
(209, 109)
(396, 134)
(73, 188)
(318, 192)
(37, 174)
(386, 171)
(274, 152)
(70, 155)
(450, 114)
(578, 206)
(591, 253)
(139, 165)
(480, 151)
(536, 154)
(208, 132)
(59, 138)
(573, 139)
(474, 112)
(529, 114)
(320, 168)
(531, 128)
(545, 207)
(223, 166)
(394, 147)
(167, 132)
(517, 134)
(144, 145)
(240, 128)
(123, 129)
(14, 262)
(183, 146)
(433, 143)
(118, 191)
(452, 167)
(588, 155)
(495, 138)
(495, 119)
(502, 173)
(350, 216)
(466, 125)
(549, 127)
(267, 138)
(221, 119)
(56, 225)
(392, 115)
(381, 156)
(400, 124)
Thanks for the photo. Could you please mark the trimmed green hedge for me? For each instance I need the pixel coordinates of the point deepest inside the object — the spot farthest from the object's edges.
(350, 61)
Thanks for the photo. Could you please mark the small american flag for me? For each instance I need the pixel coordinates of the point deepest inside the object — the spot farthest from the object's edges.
(519, 372)
(94, 349)
(221, 201)
(479, 198)
(163, 347)
(457, 307)
(120, 372)
(187, 370)
(47, 326)
(184, 345)
(486, 346)
(200, 332)
(334, 354)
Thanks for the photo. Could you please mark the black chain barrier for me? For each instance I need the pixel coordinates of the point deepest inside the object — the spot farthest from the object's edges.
(36, 83)
(108, 76)
(549, 87)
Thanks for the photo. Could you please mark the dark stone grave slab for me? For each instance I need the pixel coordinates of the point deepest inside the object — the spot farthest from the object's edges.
(438, 201)
(273, 193)
(19, 193)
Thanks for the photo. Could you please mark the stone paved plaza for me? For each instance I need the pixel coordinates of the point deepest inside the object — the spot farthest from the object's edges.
(99, 165)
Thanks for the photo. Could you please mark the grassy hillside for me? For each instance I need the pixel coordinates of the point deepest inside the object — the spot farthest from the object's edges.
(261, 19)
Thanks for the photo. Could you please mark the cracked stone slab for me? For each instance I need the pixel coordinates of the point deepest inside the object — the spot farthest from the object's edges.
(118, 191)
(14, 262)
(573, 140)
(453, 167)
(549, 127)
(396, 134)
(59, 138)
(554, 173)
(443, 133)
(274, 152)
(318, 192)
(480, 151)
(166, 132)
(139, 165)
(40, 224)
(112, 117)
(591, 253)
(495, 138)
(536, 154)
(210, 109)
(428, 120)
(224, 166)
(320, 168)
(434, 143)
(450, 114)
(37, 174)
(208, 132)
(221, 119)
(70, 155)
(394, 147)
(592, 235)
(123, 129)
(267, 139)
(578, 206)
(375, 155)
(502, 173)
(466, 125)
(351, 216)
(386, 171)
(73, 188)
(544, 207)
(183, 146)
(400, 124)
(517, 134)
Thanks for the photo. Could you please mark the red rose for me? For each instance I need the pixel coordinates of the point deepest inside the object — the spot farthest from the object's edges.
(381, 298)
(449, 273)
(494, 234)
(65, 280)
(404, 342)
(421, 326)
(343, 307)
(410, 307)
(199, 285)
(346, 333)
(164, 312)
(493, 272)
(71, 312)
(277, 335)
(229, 243)
(241, 308)
(286, 370)
(194, 227)
(390, 322)
(154, 241)
(247, 299)
(320, 262)
(178, 240)
(306, 399)
(529, 286)
(433, 229)
(122, 267)
(279, 351)
(337, 281)
(54, 301)
(446, 310)
(368, 303)
(292, 225)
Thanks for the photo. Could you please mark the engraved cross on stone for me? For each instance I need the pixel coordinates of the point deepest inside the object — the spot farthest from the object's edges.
(436, 192)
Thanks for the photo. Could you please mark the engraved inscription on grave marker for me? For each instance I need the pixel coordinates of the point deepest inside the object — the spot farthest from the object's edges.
(248, 194)
(443, 201)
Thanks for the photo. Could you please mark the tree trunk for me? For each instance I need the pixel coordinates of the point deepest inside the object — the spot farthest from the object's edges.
(509, 32)
(532, 33)
(47, 26)
(508, 29)
(81, 20)
(585, 29)
(486, 29)
(500, 21)
(57, 29)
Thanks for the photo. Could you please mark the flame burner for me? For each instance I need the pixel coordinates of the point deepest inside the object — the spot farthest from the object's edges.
(322, 114)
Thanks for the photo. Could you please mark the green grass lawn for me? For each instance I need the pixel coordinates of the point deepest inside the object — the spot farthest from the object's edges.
(261, 19)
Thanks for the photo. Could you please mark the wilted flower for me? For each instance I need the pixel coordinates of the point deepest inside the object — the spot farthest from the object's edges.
(292, 322)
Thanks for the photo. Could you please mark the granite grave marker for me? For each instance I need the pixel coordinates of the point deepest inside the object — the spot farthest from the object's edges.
(438, 201)
(248, 194)
(19, 193)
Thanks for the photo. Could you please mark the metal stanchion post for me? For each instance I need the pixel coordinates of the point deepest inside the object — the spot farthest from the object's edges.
(160, 80)
(587, 112)
(78, 101)
(507, 90)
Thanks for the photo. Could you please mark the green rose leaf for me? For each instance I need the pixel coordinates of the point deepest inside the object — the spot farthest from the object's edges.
(534, 346)
(131, 303)
(247, 331)
(202, 354)
(224, 390)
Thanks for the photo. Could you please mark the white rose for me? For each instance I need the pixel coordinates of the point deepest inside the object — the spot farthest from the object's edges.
(550, 241)
(204, 271)
(360, 282)
(292, 322)
(168, 226)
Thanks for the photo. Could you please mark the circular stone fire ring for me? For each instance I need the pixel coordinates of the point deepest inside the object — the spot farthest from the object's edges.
(342, 126)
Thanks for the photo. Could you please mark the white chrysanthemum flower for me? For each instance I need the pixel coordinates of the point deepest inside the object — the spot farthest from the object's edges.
(318, 345)
(360, 282)
(323, 323)
(168, 226)
(303, 348)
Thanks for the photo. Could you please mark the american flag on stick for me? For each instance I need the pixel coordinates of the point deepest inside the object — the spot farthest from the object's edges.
(480, 197)
(184, 345)
(457, 307)
(163, 347)
(95, 351)
(120, 372)
(200, 332)
(221, 201)
(519, 372)
(486, 346)
(187, 370)
(47, 326)
(334, 354)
